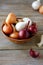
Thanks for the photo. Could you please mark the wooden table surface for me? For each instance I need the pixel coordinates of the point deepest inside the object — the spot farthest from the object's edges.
(18, 54)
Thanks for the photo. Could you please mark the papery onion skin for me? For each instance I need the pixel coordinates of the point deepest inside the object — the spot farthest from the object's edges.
(23, 34)
(7, 29)
(33, 53)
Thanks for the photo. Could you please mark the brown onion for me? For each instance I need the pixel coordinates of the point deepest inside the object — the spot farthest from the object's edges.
(7, 29)
(14, 35)
(11, 18)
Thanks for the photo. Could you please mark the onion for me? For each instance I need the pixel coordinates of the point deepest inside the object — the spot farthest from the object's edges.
(23, 34)
(14, 35)
(33, 53)
(7, 29)
(33, 28)
(11, 18)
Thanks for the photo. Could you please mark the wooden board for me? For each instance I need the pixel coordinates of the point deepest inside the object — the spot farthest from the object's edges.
(19, 57)
(25, 10)
(18, 54)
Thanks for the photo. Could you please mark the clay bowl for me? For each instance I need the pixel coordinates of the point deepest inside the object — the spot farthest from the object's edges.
(16, 40)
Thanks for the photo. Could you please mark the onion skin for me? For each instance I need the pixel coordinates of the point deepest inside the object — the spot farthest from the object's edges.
(33, 53)
(36, 4)
(33, 28)
(7, 29)
(14, 35)
(41, 10)
(11, 18)
(23, 34)
(20, 26)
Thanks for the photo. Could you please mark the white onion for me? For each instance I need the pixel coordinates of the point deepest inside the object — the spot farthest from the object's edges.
(20, 25)
(27, 20)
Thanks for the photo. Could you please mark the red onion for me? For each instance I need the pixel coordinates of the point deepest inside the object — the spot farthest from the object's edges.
(23, 34)
(33, 53)
(33, 28)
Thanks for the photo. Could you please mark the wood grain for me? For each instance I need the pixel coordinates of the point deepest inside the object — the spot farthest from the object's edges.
(19, 57)
(18, 54)
(21, 9)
